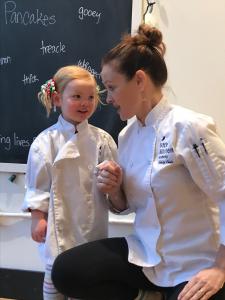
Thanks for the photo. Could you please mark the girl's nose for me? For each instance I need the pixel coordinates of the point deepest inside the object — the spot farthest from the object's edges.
(85, 102)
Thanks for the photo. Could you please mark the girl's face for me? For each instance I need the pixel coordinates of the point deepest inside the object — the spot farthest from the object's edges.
(123, 94)
(78, 100)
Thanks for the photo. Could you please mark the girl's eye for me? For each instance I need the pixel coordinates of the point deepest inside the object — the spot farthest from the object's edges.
(91, 98)
(76, 97)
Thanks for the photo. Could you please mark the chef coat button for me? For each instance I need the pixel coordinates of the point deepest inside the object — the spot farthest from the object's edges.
(90, 167)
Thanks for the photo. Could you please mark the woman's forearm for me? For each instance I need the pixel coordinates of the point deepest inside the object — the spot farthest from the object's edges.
(118, 201)
(220, 258)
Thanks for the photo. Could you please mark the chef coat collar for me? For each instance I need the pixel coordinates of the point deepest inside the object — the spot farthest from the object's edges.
(156, 114)
(67, 126)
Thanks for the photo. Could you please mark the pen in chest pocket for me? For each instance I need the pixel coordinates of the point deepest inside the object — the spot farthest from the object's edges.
(203, 145)
(195, 147)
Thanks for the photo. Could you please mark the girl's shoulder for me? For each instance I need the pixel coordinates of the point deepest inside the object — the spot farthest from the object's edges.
(99, 132)
(46, 137)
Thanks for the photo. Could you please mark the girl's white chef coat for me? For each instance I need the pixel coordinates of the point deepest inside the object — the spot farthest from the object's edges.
(174, 180)
(60, 181)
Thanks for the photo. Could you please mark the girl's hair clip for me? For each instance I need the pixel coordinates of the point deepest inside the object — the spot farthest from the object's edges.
(49, 87)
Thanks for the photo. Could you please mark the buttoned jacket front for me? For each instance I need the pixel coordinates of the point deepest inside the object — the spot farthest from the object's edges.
(174, 181)
(60, 181)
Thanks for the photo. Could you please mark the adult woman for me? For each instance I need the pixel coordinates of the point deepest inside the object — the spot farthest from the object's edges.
(173, 166)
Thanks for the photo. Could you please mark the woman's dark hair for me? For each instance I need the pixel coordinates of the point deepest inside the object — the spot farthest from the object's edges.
(145, 50)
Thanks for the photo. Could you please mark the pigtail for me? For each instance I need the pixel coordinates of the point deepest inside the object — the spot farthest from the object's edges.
(45, 95)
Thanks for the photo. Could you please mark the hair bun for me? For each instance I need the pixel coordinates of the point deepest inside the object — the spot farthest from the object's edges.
(151, 37)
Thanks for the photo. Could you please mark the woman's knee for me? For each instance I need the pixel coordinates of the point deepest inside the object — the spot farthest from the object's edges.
(66, 271)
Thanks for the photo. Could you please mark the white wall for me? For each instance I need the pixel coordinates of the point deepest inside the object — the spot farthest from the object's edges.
(194, 32)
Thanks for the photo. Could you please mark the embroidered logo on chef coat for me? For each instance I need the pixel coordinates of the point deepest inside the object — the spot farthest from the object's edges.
(166, 153)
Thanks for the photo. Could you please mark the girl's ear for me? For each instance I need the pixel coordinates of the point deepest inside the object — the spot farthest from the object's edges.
(140, 77)
(56, 99)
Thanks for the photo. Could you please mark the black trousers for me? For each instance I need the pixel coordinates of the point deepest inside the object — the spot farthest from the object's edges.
(100, 270)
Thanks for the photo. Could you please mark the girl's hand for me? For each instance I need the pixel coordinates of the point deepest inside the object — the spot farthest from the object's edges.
(109, 177)
(38, 226)
(203, 285)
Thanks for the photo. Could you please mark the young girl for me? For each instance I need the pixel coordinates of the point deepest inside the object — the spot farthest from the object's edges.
(66, 207)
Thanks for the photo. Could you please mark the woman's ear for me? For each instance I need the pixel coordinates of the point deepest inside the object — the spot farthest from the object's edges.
(56, 99)
(140, 77)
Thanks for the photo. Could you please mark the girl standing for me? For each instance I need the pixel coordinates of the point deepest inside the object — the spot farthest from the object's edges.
(67, 210)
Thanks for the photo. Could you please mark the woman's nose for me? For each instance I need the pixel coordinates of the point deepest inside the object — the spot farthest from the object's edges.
(109, 98)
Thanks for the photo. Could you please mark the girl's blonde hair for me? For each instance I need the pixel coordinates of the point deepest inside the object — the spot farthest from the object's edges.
(59, 81)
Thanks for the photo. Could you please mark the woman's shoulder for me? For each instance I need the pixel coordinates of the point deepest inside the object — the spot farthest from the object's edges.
(180, 116)
(188, 126)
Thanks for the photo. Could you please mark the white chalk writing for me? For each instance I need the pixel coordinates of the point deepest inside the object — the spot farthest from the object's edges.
(5, 60)
(86, 65)
(26, 17)
(52, 49)
(85, 12)
(29, 79)
(20, 142)
(7, 142)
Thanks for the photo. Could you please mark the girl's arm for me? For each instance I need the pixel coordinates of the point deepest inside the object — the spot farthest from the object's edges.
(39, 225)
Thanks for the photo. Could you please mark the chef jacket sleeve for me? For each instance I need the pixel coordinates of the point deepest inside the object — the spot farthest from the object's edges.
(203, 153)
(110, 153)
(110, 149)
(37, 181)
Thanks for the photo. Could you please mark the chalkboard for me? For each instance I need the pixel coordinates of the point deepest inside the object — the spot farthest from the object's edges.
(36, 38)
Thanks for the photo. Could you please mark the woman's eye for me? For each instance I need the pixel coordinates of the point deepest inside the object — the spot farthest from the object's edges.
(110, 88)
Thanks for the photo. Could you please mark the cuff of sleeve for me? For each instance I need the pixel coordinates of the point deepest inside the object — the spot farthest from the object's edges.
(222, 224)
(36, 200)
(115, 210)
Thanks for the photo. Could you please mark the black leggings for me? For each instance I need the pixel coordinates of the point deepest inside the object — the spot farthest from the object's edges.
(100, 270)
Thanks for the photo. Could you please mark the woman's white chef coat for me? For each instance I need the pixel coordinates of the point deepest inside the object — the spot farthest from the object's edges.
(174, 179)
(60, 181)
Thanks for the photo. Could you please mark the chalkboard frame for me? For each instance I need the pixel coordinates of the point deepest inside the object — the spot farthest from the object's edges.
(137, 8)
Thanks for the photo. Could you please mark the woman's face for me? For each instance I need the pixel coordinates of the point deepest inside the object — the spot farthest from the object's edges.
(123, 94)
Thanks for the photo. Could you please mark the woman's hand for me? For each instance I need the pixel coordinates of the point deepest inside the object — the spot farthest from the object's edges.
(109, 177)
(203, 285)
(38, 226)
